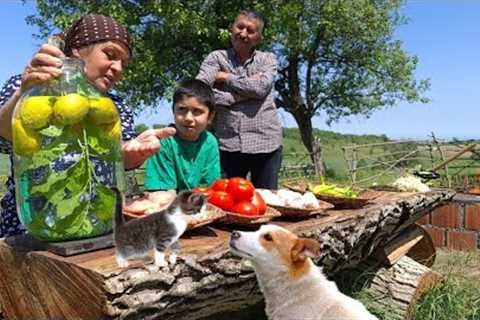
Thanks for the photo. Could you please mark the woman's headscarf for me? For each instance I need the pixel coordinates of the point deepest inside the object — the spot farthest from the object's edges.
(93, 28)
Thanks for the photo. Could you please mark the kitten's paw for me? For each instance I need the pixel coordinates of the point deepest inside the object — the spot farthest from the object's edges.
(122, 262)
(172, 258)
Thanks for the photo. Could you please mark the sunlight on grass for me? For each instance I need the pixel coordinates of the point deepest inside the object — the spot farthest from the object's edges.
(458, 296)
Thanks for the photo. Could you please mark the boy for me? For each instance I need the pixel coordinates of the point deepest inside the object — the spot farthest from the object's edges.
(190, 158)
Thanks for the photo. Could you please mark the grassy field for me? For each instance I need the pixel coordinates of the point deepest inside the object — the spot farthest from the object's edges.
(458, 296)
(4, 171)
(4, 165)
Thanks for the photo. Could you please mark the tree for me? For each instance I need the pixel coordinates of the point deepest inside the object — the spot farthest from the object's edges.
(336, 58)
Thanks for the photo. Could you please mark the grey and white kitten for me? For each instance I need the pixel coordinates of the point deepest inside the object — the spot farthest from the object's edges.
(158, 231)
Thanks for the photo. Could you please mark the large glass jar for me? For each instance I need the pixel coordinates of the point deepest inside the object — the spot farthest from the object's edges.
(67, 156)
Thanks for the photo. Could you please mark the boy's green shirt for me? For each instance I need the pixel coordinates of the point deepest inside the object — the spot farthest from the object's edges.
(183, 165)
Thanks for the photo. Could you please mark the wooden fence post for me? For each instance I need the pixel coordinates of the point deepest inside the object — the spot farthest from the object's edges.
(317, 157)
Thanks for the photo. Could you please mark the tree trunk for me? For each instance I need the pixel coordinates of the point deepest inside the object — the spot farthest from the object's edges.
(312, 144)
(293, 102)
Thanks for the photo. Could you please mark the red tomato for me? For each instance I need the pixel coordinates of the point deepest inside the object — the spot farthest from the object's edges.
(221, 199)
(220, 185)
(245, 208)
(203, 190)
(240, 189)
(258, 202)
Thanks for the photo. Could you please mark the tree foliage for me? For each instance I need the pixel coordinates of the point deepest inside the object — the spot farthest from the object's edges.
(336, 58)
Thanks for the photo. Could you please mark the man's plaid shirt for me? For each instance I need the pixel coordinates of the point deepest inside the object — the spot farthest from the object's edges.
(247, 118)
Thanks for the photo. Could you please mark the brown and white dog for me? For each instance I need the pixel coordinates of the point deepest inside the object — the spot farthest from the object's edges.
(293, 286)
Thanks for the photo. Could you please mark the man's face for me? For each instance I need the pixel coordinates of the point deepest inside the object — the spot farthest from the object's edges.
(246, 33)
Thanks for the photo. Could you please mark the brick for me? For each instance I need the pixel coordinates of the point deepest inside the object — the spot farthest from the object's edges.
(437, 235)
(472, 217)
(462, 240)
(446, 216)
(424, 220)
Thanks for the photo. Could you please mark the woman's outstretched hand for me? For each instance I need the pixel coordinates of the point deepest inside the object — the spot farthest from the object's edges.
(137, 150)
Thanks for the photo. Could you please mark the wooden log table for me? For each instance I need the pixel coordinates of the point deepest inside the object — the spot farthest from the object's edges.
(207, 278)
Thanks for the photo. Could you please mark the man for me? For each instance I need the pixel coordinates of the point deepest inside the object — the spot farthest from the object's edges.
(247, 124)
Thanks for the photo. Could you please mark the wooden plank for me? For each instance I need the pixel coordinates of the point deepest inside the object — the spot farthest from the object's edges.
(34, 286)
(66, 248)
(400, 246)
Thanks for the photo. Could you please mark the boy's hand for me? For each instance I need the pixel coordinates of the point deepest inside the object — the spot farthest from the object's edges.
(137, 150)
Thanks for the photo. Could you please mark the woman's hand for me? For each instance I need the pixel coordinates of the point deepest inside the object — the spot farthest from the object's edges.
(137, 150)
(45, 65)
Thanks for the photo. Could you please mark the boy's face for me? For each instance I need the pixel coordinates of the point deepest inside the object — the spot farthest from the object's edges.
(191, 118)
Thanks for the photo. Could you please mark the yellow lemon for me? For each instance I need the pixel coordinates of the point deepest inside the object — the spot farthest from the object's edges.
(102, 110)
(113, 131)
(25, 141)
(70, 108)
(35, 112)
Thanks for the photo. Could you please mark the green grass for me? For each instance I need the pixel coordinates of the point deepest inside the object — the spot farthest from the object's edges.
(4, 165)
(458, 296)
(4, 172)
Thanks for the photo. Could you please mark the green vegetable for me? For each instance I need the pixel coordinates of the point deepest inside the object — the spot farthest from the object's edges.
(333, 190)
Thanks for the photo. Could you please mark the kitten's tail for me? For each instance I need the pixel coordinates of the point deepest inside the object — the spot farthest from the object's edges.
(118, 214)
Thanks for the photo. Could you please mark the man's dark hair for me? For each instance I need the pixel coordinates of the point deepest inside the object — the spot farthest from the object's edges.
(195, 88)
(254, 15)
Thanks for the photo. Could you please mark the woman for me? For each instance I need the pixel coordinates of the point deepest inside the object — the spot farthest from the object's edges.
(106, 48)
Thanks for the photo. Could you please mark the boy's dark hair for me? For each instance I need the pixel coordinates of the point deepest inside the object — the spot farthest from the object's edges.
(195, 88)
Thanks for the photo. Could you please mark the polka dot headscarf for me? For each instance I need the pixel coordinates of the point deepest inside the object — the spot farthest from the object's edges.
(93, 28)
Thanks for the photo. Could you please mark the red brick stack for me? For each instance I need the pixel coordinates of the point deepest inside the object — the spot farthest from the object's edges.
(455, 225)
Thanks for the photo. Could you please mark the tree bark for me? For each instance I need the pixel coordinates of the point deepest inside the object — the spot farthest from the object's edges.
(293, 102)
(207, 278)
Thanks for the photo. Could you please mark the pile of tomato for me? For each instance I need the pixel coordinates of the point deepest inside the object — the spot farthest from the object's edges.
(236, 195)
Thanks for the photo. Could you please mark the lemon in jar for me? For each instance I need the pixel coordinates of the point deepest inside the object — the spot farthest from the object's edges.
(35, 112)
(102, 110)
(70, 108)
(112, 131)
(25, 141)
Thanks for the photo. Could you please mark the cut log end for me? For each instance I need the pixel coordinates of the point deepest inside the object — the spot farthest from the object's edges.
(396, 288)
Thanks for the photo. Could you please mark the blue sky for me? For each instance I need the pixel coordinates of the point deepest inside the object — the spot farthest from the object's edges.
(444, 34)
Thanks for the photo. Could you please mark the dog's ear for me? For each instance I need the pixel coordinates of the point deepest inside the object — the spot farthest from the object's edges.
(304, 248)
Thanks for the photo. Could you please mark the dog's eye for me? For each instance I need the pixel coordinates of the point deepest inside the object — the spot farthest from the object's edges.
(268, 237)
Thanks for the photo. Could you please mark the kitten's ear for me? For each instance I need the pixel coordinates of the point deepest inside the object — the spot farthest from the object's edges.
(197, 199)
(184, 196)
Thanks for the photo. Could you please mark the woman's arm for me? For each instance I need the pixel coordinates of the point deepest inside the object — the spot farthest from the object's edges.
(6, 114)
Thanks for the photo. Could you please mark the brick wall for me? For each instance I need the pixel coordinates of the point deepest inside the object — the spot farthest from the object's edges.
(455, 225)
